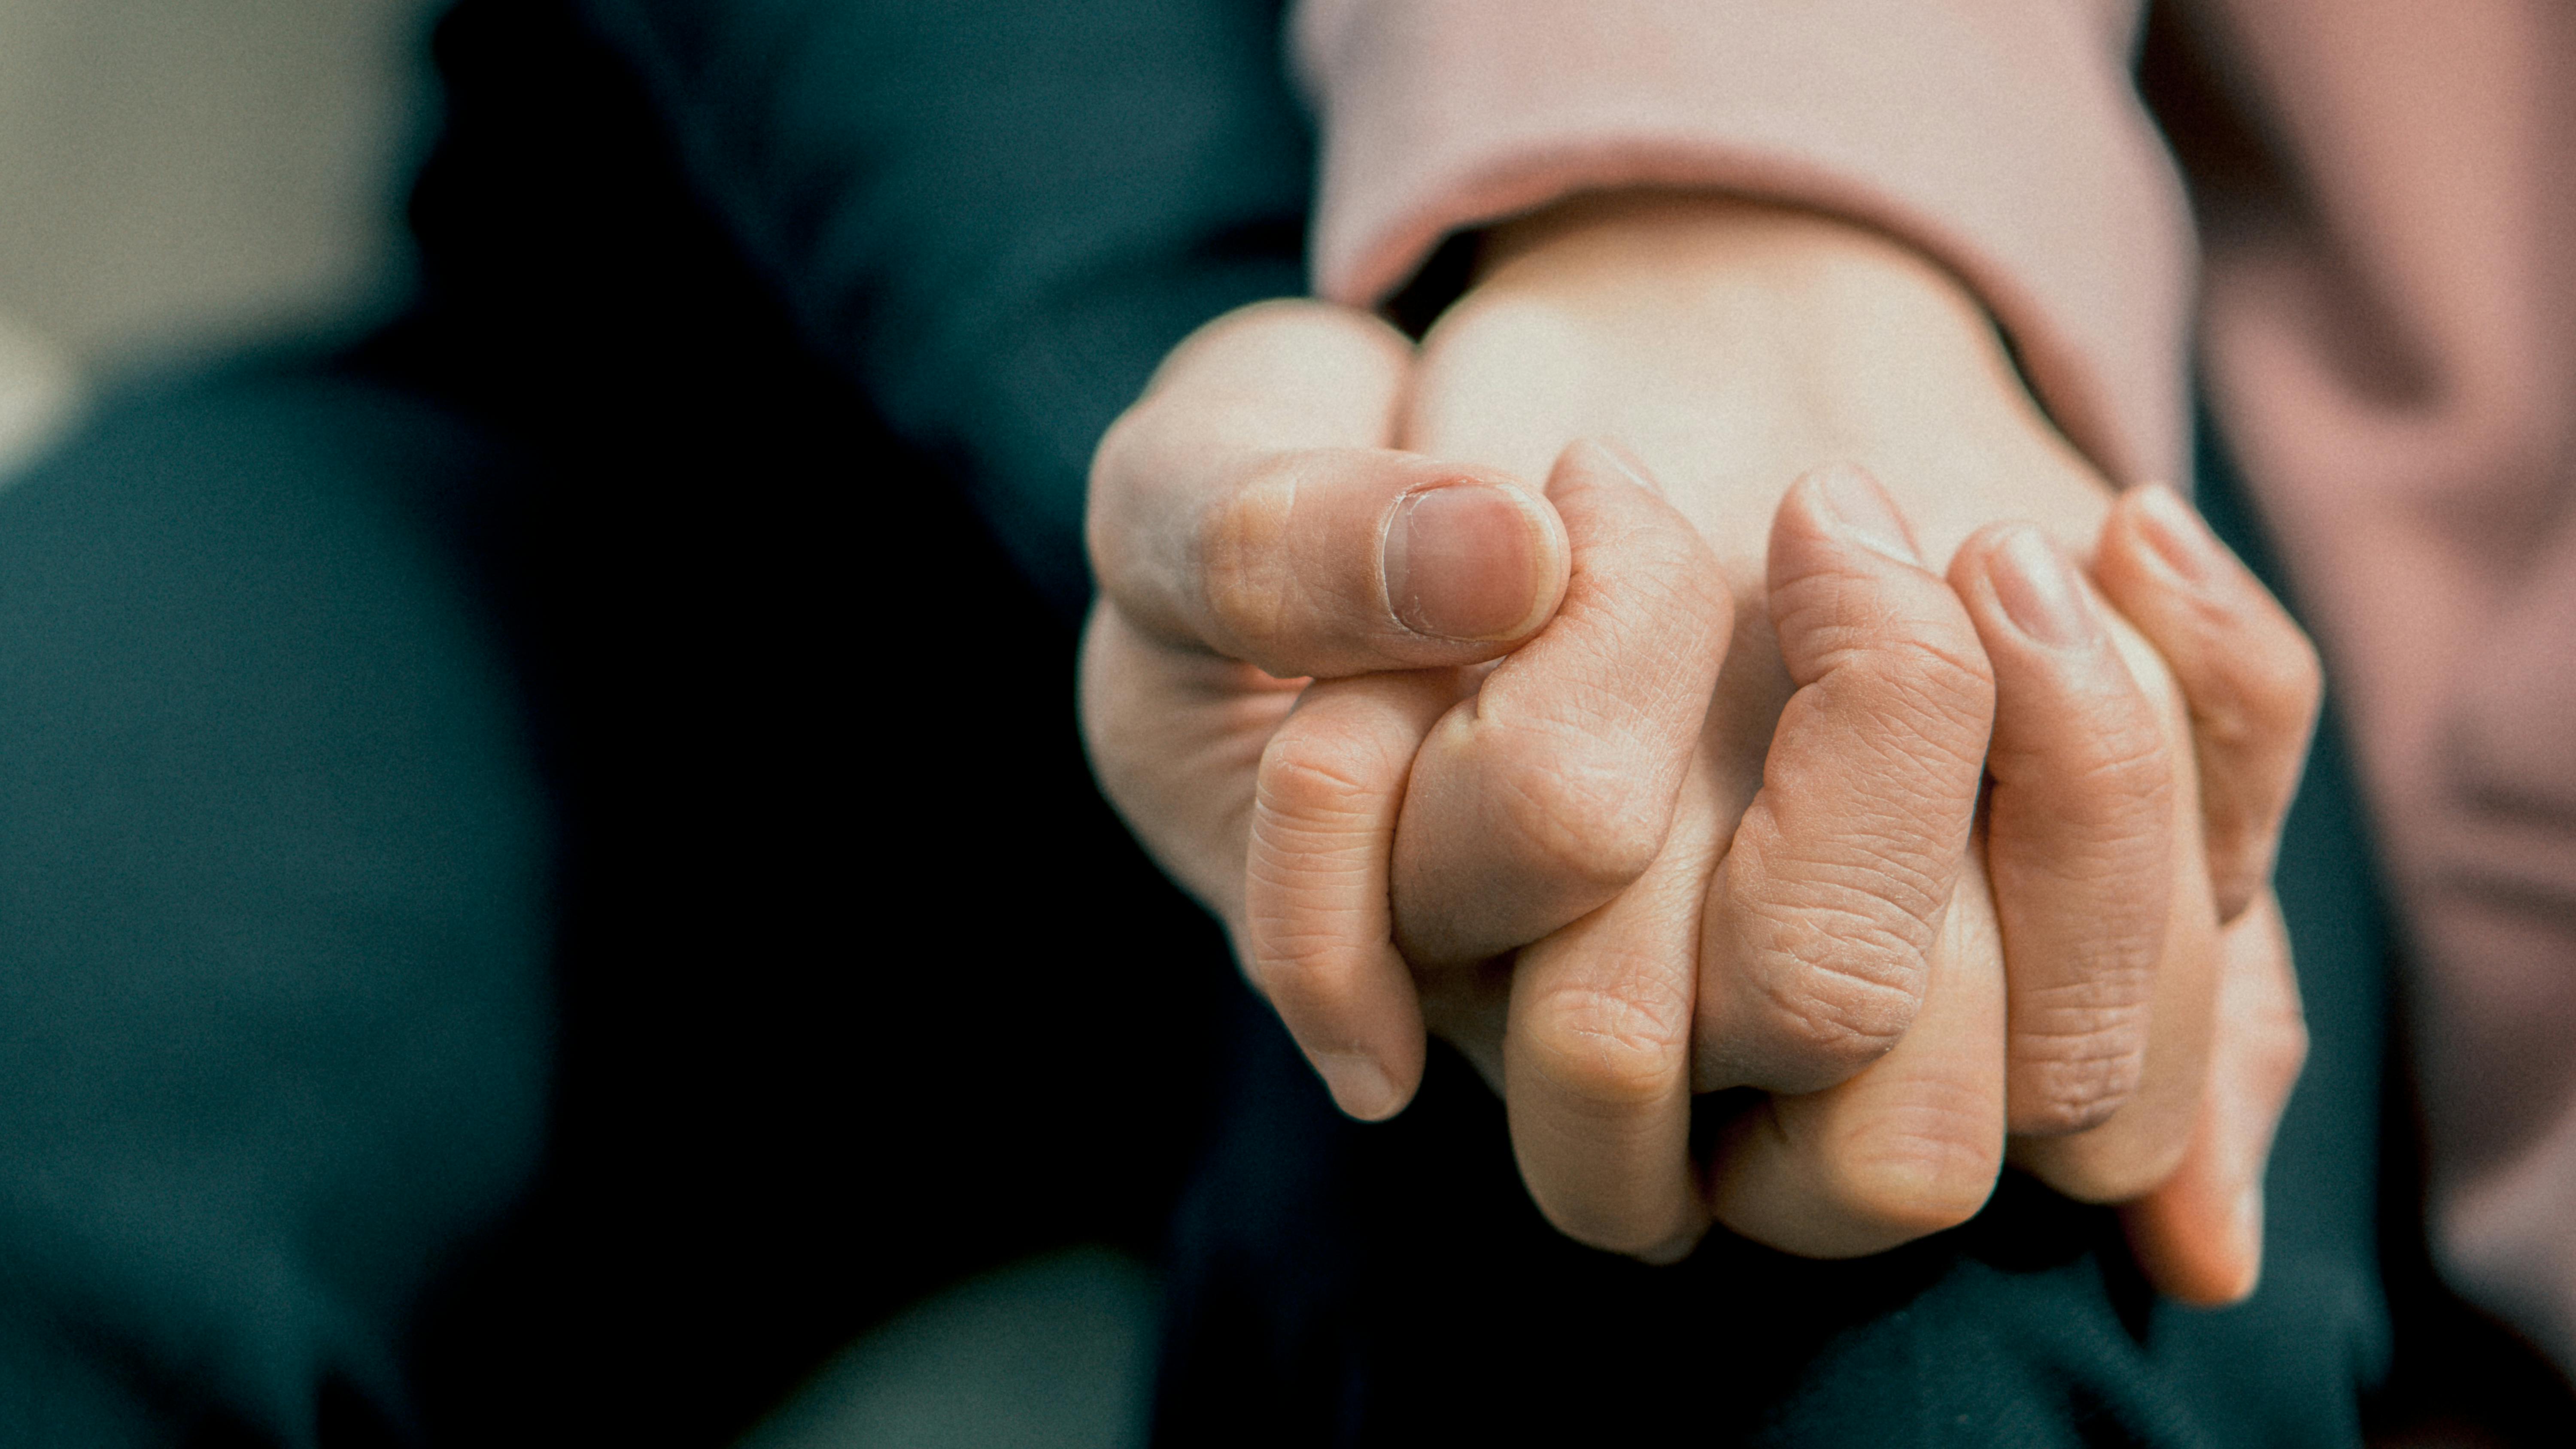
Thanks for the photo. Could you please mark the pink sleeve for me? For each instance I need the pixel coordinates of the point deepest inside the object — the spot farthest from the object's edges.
(2001, 136)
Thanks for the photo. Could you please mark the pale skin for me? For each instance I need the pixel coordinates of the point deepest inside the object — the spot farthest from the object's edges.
(1778, 560)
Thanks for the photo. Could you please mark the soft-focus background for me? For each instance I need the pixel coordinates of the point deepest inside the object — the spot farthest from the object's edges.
(181, 176)
(180, 179)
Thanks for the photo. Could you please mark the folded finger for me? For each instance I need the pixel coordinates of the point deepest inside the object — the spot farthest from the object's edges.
(2247, 671)
(1318, 938)
(1910, 1145)
(1819, 921)
(2199, 1236)
(1551, 788)
(2139, 1145)
(1596, 1062)
(1248, 504)
(2079, 834)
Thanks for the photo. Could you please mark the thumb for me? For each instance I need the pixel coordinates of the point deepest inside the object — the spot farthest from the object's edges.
(1245, 505)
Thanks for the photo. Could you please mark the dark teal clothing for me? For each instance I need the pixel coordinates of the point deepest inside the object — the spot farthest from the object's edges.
(994, 216)
(502, 818)
(273, 968)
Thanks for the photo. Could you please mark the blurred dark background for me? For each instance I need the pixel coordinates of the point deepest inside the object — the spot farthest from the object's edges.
(741, 1183)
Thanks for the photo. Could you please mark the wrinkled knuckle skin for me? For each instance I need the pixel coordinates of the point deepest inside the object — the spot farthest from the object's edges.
(1924, 716)
(1901, 626)
(2105, 800)
(1820, 1034)
(2054, 1095)
(1307, 777)
(1949, 678)
(1674, 572)
(2127, 766)
(1829, 998)
(2077, 1050)
(1587, 830)
(1616, 1053)
(1298, 972)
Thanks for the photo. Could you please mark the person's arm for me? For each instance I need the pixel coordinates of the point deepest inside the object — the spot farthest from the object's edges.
(997, 215)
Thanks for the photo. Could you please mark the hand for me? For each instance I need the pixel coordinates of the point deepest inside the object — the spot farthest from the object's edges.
(2088, 918)
(1250, 527)
(1220, 714)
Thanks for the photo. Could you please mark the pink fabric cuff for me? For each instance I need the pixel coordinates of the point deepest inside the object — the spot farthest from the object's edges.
(2000, 136)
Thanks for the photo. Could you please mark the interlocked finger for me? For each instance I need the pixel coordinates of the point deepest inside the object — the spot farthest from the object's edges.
(1909, 1146)
(1597, 1059)
(2081, 822)
(2199, 1234)
(2141, 1144)
(2249, 674)
(1815, 948)
(1318, 939)
(1550, 790)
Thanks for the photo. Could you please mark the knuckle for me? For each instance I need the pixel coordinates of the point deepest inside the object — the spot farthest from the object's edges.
(1614, 1050)
(1943, 716)
(2055, 1097)
(2269, 705)
(2253, 703)
(2281, 660)
(1833, 992)
(1585, 826)
(2240, 862)
(1923, 1165)
(1673, 566)
(1298, 974)
(1854, 880)
(1932, 665)
(1110, 479)
(2077, 1051)
(1311, 778)
(2113, 779)
(2285, 1056)
(1305, 954)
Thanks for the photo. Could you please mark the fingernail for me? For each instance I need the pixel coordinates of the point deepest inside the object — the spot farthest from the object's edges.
(2039, 590)
(1862, 510)
(2176, 531)
(1622, 462)
(1358, 1085)
(1461, 562)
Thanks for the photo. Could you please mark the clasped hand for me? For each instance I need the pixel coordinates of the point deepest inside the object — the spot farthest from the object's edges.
(1649, 779)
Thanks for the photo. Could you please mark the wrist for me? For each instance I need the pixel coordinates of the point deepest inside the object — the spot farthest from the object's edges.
(1735, 344)
(1893, 338)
